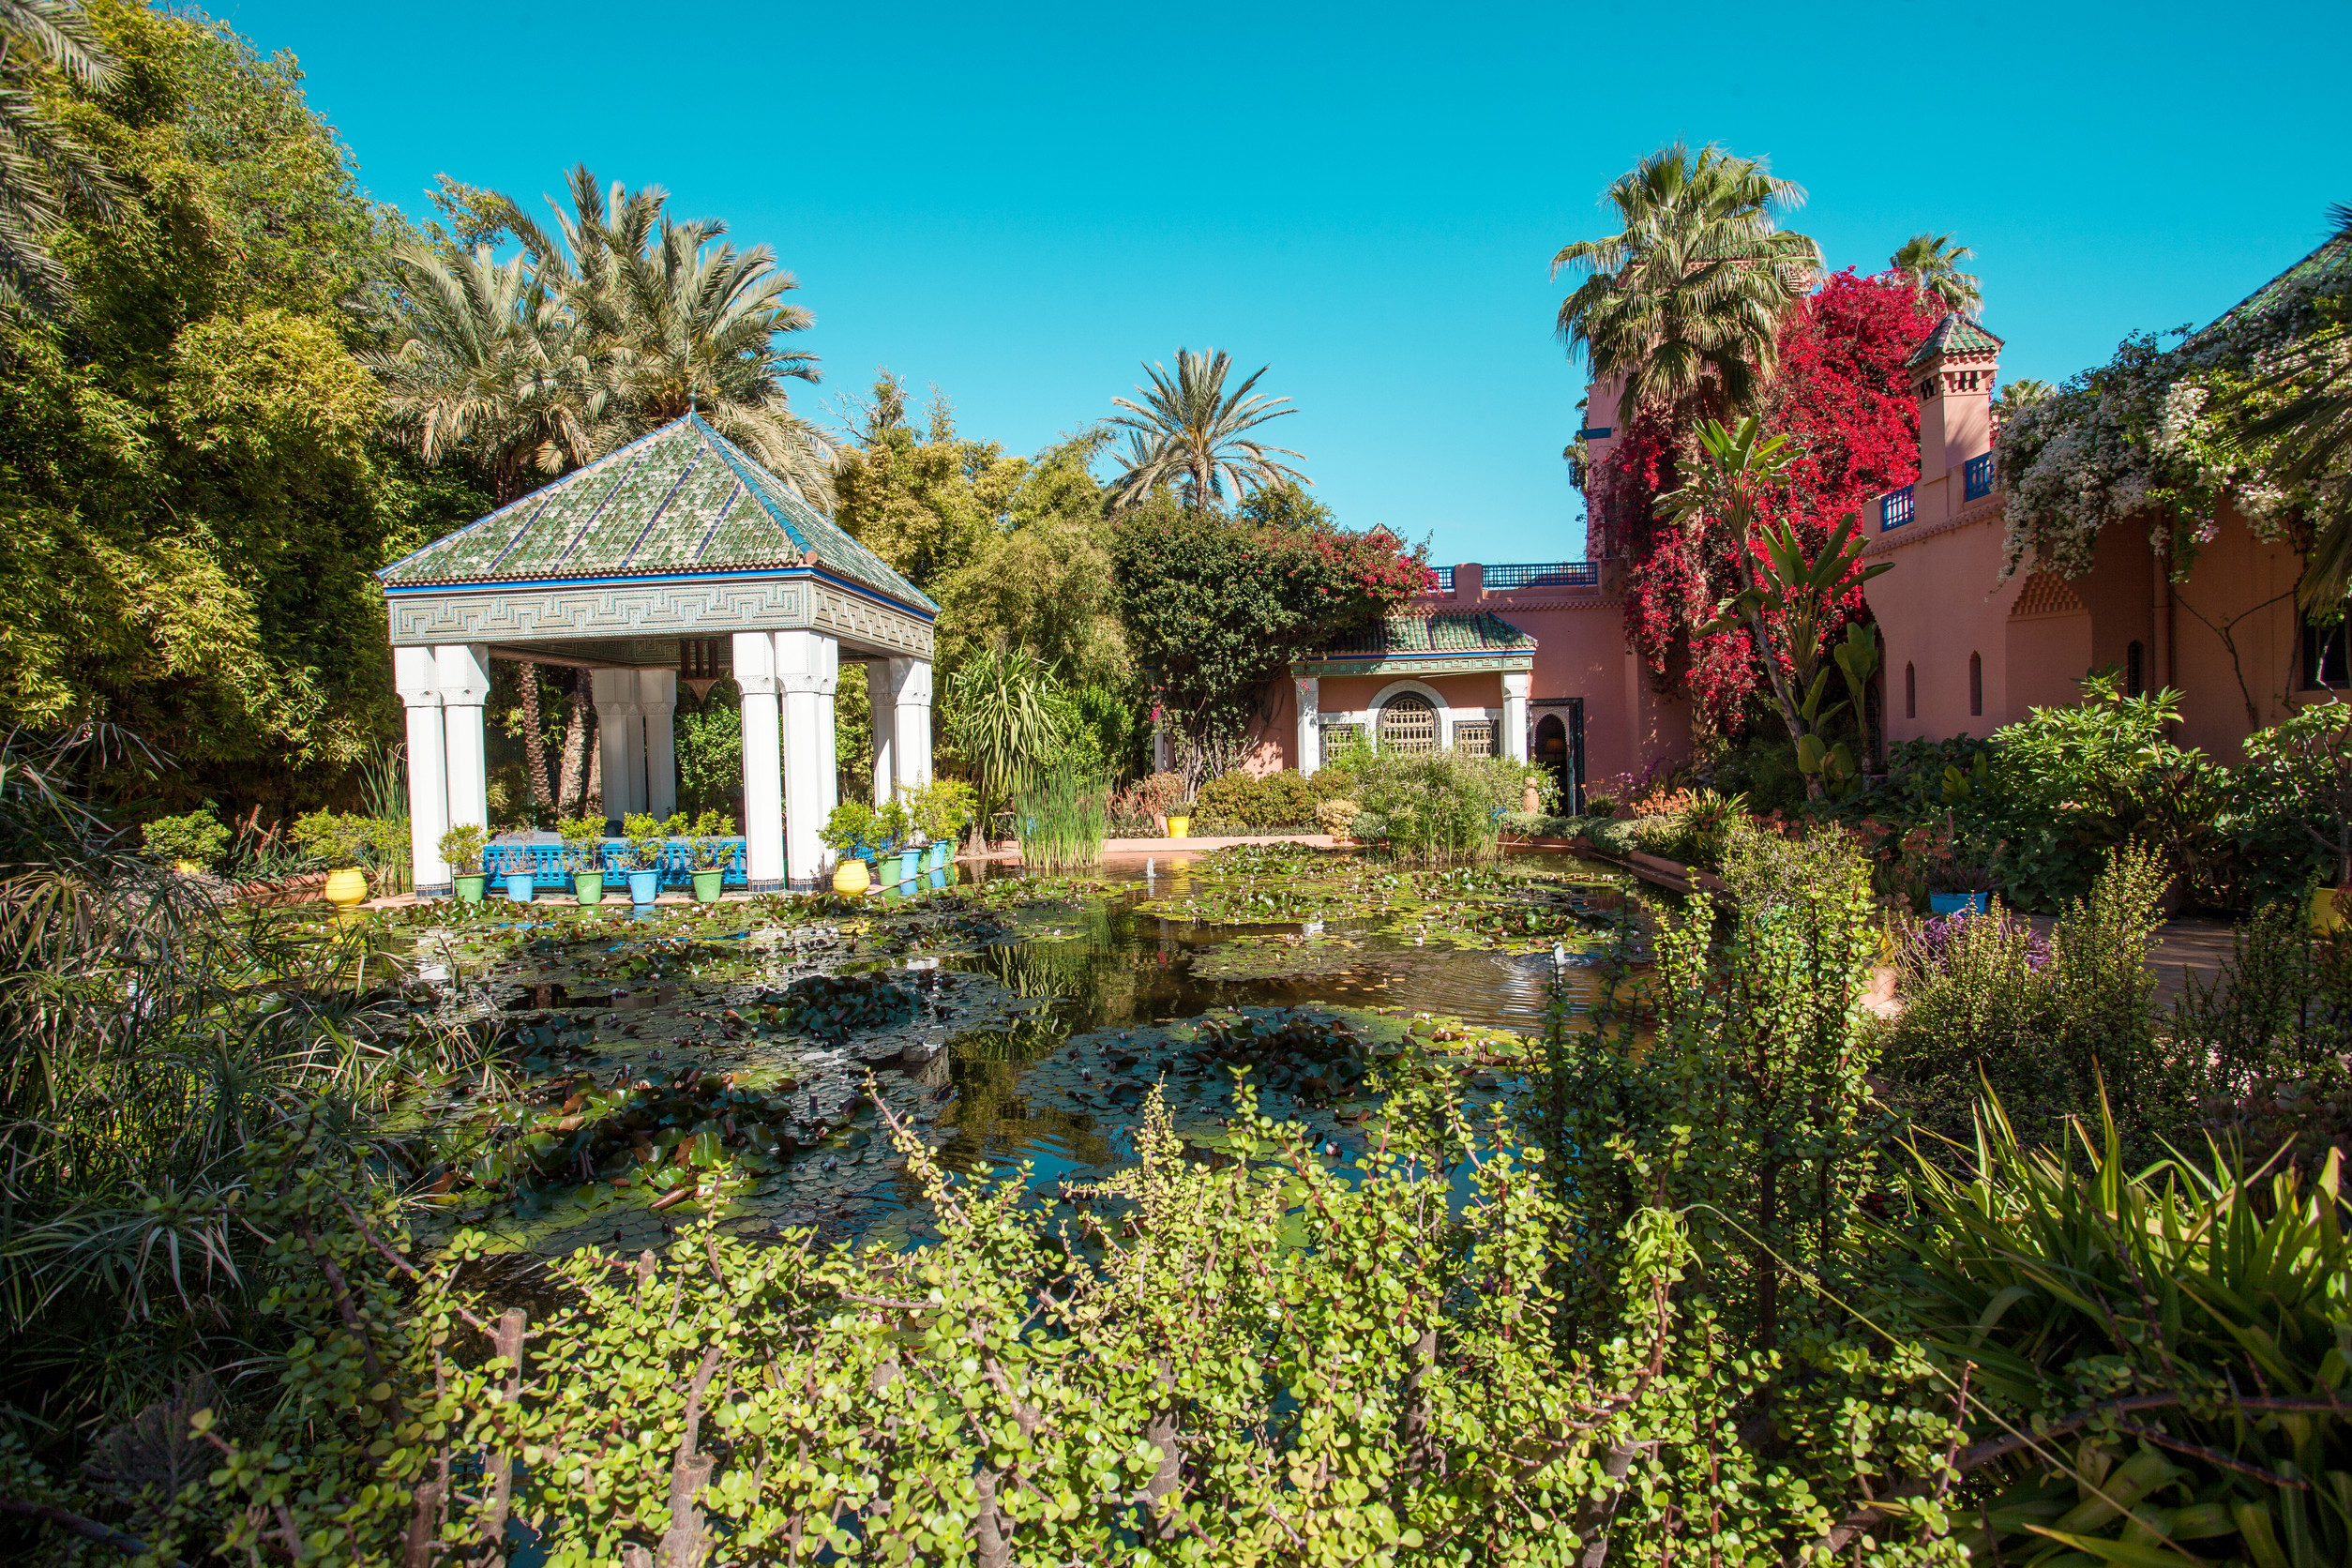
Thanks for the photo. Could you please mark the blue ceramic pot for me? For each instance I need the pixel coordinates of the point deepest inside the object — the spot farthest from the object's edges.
(1960, 903)
(645, 886)
(518, 886)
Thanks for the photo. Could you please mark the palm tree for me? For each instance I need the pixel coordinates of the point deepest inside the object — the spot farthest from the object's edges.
(41, 166)
(1932, 262)
(1685, 300)
(678, 321)
(481, 359)
(1190, 431)
(2017, 395)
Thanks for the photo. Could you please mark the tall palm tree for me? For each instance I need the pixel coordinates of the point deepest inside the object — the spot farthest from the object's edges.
(2018, 393)
(481, 360)
(1189, 430)
(676, 319)
(1685, 300)
(1932, 262)
(42, 166)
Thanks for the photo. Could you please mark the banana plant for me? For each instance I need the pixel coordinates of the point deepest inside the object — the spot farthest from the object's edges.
(1786, 601)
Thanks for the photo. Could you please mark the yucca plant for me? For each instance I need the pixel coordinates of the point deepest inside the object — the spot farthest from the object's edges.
(2155, 1363)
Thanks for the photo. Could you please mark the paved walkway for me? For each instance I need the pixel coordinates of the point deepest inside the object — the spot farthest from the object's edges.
(2181, 947)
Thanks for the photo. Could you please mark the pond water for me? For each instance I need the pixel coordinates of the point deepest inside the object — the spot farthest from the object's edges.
(1005, 1019)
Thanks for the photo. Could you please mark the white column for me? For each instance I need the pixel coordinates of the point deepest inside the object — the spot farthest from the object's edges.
(1514, 692)
(658, 697)
(415, 677)
(828, 733)
(461, 670)
(763, 770)
(881, 707)
(1310, 755)
(910, 721)
(616, 706)
(801, 667)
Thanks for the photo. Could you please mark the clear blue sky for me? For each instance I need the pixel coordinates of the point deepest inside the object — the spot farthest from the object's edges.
(1021, 203)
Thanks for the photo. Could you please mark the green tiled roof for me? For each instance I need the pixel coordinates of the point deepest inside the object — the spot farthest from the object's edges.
(1454, 632)
(682, 500)
(1955, 337)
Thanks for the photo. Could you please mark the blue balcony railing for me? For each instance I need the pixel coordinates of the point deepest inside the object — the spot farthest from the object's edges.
(1545, 574)
(550, 866)
(1977, 476)
(1445, 579)
(1894, 508)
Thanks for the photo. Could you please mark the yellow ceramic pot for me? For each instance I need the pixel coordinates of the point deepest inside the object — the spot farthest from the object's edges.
(347, 888)
(1180, 827)
(852, 877)
(2325, 916)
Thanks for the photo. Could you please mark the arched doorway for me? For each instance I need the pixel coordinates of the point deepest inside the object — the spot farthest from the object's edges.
(1552, 752)
(1408, 722)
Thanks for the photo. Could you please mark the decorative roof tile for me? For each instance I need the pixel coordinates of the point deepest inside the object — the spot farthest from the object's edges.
(1446, 632)
(2329, 265)
(683, 499)
(1955, 337)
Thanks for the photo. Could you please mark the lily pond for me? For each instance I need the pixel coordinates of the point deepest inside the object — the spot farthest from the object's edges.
(645, 1065)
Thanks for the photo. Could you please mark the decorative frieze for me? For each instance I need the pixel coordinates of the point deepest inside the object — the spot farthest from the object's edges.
(663, 610)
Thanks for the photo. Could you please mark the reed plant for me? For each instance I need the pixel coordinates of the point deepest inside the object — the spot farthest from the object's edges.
(1063, 817)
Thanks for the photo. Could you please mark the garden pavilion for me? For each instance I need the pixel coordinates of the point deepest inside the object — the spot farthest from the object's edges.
(675, 555)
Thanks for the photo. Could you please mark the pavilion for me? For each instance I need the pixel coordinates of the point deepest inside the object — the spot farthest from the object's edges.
(676, 554)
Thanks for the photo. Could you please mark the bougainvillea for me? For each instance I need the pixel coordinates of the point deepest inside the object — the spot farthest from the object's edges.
(1840, 394)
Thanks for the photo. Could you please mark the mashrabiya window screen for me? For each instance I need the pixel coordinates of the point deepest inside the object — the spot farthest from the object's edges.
(1475, 737)
(1408, 723)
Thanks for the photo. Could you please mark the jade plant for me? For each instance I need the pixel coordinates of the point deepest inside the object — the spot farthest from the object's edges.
(850, 825)
(199, 837)
(648, 837)
(463, 846)
(583, 839)
(708, 843)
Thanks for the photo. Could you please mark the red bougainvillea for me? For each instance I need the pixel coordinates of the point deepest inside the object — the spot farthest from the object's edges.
(1841, 396)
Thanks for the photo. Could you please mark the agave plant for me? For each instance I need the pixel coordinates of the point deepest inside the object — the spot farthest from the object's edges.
(2154, 1363)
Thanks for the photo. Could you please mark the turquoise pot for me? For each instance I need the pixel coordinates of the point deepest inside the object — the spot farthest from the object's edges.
(1960, 903)
(935, 858)
(518, 888)
(644, 887)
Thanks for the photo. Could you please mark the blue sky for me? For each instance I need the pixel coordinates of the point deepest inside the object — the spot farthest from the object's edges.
(1019, 205)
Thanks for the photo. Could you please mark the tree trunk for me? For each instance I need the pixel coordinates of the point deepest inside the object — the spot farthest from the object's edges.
(568, 789)
(534, 740)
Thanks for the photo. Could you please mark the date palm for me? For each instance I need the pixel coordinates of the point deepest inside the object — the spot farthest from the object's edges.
(481, 362)
(1932, 262)
(1685, 300)
(677, 319)
(1190, 432)
(41, 165)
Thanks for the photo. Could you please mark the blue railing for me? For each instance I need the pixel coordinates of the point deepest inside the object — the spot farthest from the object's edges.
(549, 865)
(1445, 579)
(1977, 475)
(1545, 574)
(1894, 508)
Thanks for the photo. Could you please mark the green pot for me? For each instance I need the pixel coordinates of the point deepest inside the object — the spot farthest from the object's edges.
(470, 888)
(706, 886)
(588, 886)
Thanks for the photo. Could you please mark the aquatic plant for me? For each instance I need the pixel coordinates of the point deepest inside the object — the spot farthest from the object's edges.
(1062, 819)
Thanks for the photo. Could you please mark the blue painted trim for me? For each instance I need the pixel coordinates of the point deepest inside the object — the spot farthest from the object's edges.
(1595, 433)
(549, 865)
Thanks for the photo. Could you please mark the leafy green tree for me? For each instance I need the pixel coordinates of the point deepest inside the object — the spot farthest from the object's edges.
(928, 501)
(1685, 299)
(1216, 607)
(192, 493)
(1191, 432)
(1932, 262)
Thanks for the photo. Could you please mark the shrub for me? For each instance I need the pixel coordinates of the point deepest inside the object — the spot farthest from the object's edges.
(463, 846)
(337, 840)
(199, 837)
(1248, 802)
(1435, 807)
(1337, 817)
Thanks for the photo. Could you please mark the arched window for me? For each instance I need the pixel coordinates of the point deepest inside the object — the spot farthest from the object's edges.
(1910, 691)
(1408, 723)
(1976, 683)
(2135, 671)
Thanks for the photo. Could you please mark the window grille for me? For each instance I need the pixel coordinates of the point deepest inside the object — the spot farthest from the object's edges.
(1894, 508)
(1475, 737)
(2135, 671)
(1978, 474)
(1408, 723)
